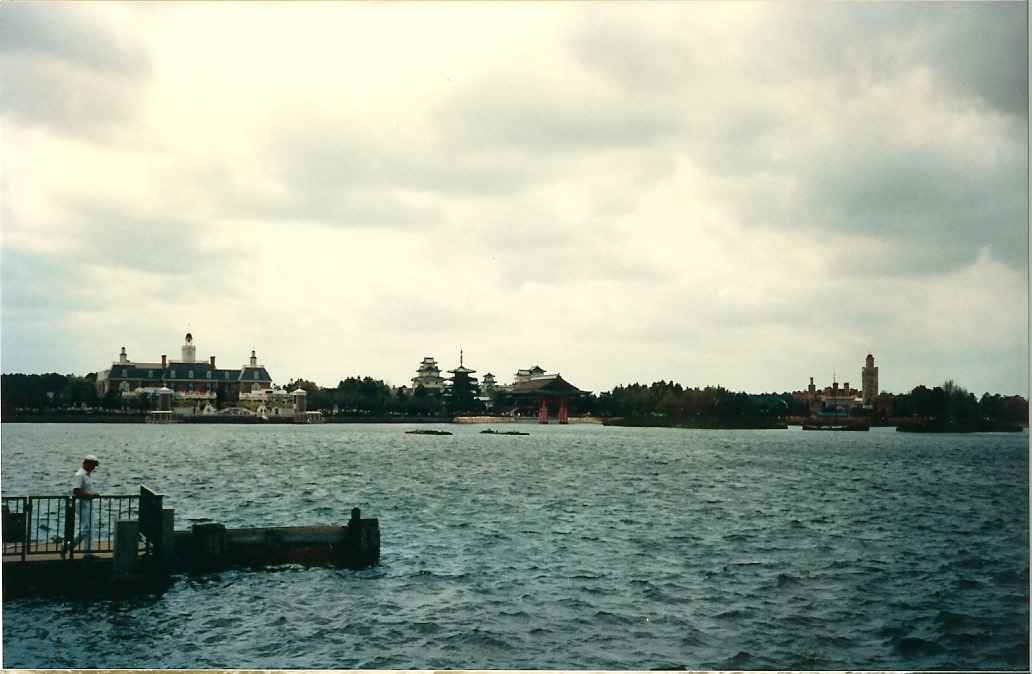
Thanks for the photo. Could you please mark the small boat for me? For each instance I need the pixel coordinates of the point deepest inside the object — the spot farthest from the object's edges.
(494, 432)
(428, 432)
(836, 427)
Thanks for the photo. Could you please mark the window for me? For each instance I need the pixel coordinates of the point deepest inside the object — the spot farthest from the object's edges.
(172, 373)
(189, 374)
(209, 374)
(256, 374)
(150, 374)
(125, 372)
(227, 374)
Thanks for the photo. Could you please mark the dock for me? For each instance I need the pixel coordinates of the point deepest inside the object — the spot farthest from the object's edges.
(133, 545)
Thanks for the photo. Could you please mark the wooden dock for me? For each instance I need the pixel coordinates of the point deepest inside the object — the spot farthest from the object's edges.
(145, 553)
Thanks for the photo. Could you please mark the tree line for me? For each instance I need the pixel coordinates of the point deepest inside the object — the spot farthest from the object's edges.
(366, 396)
(953, 403)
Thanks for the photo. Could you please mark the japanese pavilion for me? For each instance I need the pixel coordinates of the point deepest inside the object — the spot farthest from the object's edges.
(534, 389)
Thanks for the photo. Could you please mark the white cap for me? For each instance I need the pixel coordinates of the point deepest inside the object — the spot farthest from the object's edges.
(91, 457)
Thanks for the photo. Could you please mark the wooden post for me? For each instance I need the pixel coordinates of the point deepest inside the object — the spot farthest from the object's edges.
(150, 518)
(127, 534)
(564, 412)
(209, 545)
(543, 412)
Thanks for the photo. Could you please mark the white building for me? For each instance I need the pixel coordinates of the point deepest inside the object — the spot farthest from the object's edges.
(428, 375)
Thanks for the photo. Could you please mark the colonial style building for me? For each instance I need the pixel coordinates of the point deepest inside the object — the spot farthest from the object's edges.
(187, 377)
(428, 375)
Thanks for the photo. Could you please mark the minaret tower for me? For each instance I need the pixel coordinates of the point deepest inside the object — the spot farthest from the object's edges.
(869, 377)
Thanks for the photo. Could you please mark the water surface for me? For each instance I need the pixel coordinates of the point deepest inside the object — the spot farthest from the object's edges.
(575, 547)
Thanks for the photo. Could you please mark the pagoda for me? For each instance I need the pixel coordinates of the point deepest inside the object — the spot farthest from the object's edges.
(463, 390)
(428, 375)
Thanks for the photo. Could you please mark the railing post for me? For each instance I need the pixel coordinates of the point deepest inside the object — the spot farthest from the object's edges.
(69, 502)
(26, 539)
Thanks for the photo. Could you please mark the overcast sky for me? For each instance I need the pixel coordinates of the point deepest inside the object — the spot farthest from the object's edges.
(736, 194)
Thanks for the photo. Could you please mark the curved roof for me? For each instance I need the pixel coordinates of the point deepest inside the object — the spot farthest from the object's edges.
(552, 384)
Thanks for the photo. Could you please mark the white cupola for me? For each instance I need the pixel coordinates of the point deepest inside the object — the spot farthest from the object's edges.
(189, 350)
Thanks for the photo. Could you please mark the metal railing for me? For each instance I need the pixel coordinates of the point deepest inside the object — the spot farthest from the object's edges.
(40, 525)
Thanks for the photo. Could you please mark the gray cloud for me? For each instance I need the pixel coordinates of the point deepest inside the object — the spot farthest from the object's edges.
(637, 58)
(932, 208)
(334, 157)
(73, 34)
(332, 176)
(66, 68)
(155, 241)
(544, 117)
(325, 205)
(926, 198)
(974, 49)
(36, 286)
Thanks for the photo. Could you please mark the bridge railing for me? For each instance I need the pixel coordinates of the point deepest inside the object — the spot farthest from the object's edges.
(41, 525)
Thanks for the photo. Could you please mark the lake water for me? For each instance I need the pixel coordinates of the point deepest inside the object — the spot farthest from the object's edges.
(575, 547)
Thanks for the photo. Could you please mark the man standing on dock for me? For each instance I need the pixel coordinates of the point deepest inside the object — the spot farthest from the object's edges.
(83, 491)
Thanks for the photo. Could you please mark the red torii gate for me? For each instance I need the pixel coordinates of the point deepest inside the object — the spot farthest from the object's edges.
(564, 412)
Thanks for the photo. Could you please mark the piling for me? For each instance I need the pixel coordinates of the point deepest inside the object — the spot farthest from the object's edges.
(167, 541)
(127, 535)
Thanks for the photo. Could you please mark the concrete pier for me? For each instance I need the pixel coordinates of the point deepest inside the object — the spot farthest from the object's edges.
(133, 566)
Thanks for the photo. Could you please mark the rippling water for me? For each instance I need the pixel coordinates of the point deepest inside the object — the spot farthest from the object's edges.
(574, 547)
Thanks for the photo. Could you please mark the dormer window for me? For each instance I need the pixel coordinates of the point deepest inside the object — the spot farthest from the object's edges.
(189, 374)
(172, 373)
(125, 372)
(256, 374)
(209, 374)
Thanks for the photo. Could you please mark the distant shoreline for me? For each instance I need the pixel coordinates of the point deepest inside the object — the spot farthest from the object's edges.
(630, 422)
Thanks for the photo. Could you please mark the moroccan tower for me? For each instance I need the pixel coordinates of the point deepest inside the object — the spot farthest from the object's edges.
(869, 377)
